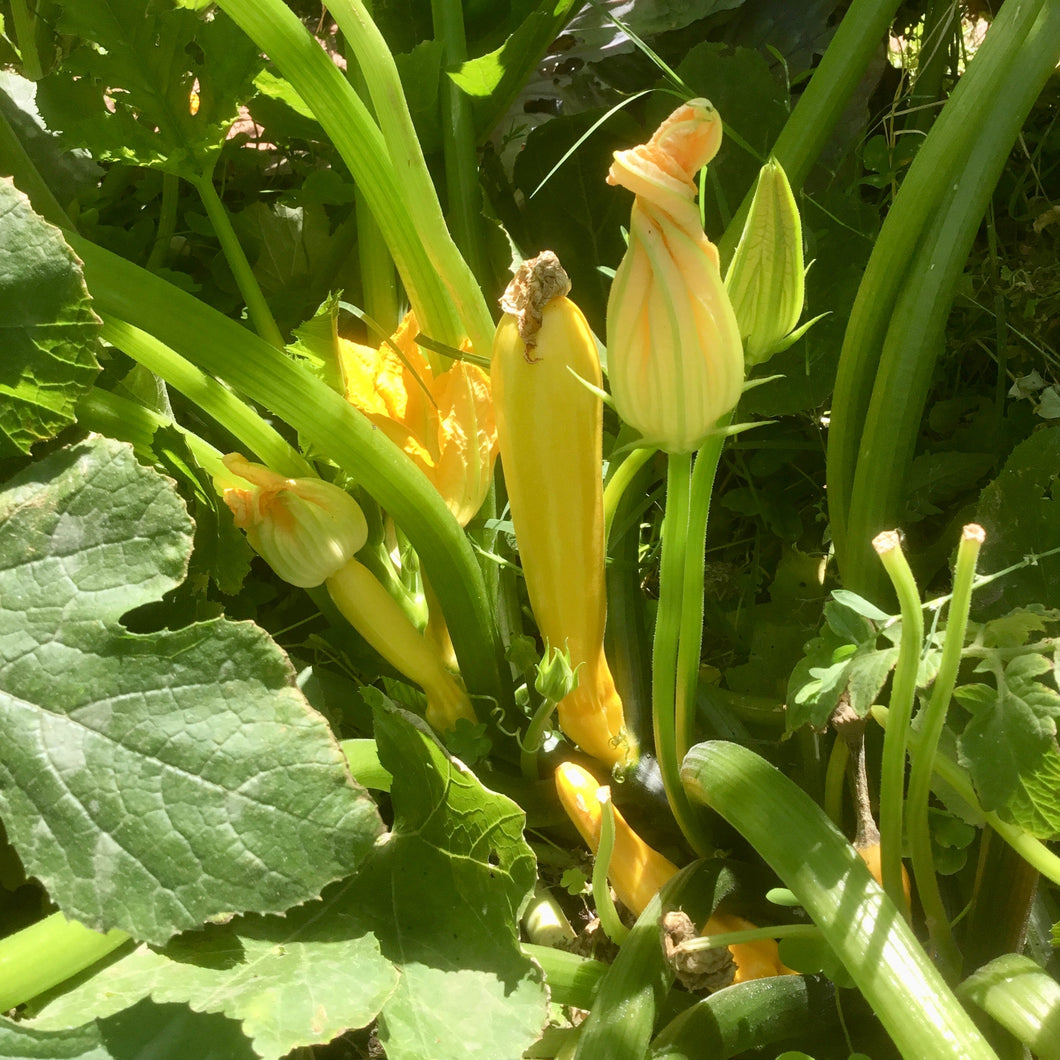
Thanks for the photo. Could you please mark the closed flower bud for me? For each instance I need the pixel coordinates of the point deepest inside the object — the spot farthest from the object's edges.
(675, 361)
(766, 276)
(555, 676)
(306, 529)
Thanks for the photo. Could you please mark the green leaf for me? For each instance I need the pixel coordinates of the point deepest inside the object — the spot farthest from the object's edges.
(1035, 804)
(1011, 727)
(1015, 629)
(848, 623)
(151, 781)
(444, 895)
(493, 80)
(1020, 511)
(297, 980)
(124, 90)
(285, 244)
(47, 327)
(161, 1032)
(859, 605)
(936, 478)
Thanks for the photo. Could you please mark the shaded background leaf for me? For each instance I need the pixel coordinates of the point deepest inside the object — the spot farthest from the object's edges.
(125, 89)
(161, 1032)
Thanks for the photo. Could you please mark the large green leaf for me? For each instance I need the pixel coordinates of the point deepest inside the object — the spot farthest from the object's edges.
(124, 92)
(444, 895)
(151, 781)
(296, 980)
(161, 1032)
(47, 327)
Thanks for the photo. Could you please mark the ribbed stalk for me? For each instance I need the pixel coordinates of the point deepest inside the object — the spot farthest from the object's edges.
(864, 928)
(414, 180)
(48, 953)
(896, 326)
(364, 148)
(227, 349)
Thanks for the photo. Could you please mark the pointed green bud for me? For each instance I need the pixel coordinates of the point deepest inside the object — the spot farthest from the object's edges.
(555, 677)
(306, 529)
(766, 276)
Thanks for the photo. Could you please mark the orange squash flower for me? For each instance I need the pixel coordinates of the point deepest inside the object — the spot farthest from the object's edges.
(444, 421)
(675, 361)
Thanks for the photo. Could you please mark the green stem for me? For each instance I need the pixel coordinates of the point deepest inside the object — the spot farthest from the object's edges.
(736, 938)
(666, 643)
(1032, 850)
(903, 695)
(380, 296)
(216, 401)
(834, 777)
(118, 417)
(167, 222)
(618, 482)
(408, 225)
(613, 927)
(897, 324)
(48, 953)
(690, 642)
(534, 738)
(379, 288)
(860, 923)
(931, 721)
(462, 188)
(25, 23)
(246, 281)
(414, 180)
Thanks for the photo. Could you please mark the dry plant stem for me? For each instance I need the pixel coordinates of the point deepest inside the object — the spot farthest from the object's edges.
(932, 720)
(851, 730)
(903, 692)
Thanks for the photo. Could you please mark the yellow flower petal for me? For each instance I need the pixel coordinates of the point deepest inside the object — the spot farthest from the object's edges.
(444, 423)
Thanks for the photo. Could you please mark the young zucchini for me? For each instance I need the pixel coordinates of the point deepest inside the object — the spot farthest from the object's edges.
(549, 425)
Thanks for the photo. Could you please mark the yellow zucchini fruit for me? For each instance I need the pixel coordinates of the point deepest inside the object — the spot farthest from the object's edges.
(549, 426)
(378, 617)
(638, 872)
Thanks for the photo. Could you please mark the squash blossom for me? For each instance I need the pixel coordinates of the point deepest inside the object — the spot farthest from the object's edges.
(443, 422)
(308, 530)
(766, 277)
(638, 872)
(675, 361)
